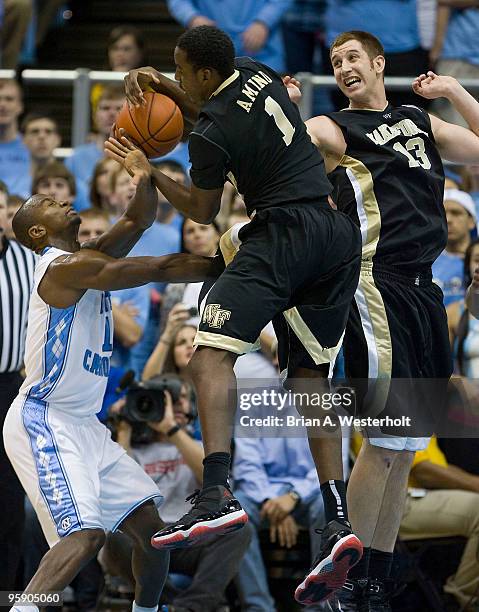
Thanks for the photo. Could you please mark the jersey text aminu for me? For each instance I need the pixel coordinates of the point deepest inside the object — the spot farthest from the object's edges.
(250, 133)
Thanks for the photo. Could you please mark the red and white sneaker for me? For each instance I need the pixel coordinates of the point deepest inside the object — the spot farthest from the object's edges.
(340, 551)
(215, 511)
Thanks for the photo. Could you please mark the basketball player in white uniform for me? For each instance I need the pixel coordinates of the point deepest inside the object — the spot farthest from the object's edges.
(79, 481)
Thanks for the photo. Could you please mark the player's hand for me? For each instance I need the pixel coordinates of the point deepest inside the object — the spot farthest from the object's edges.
(294, 88)
(277, 508)
(286, 532)
(254, 37)
(178, 316)
(139, 80)
(200, 20)
(127, 308)
(432, 86)
(168, 421)
(132, 158)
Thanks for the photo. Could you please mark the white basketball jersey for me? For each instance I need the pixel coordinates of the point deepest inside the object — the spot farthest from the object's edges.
(67, 356)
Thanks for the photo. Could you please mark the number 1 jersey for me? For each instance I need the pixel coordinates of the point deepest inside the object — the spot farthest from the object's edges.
(67, 350)
(252, 134)
(391, 181)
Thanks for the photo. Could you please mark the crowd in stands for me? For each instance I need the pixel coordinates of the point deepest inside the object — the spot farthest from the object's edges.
(154, 326)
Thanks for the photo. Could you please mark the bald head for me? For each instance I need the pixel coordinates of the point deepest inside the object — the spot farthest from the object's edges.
(27, 216)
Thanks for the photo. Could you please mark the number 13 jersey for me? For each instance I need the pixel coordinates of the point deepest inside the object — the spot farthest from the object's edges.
(391, 180)
(252, 134)
(67, 350)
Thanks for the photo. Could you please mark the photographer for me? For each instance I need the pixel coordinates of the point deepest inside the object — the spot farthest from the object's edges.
(175, 346)
(173, 459)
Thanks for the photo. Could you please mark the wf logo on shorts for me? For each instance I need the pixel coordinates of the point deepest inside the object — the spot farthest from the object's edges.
(215, 316)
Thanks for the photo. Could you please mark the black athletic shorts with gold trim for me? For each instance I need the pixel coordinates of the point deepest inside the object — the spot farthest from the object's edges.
(300, 262)
(397, 335)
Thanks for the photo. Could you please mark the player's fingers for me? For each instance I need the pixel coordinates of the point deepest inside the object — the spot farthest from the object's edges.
(272, 533)
(134, 95)
(112, 155)
(281, 535)
(431, 74)
(125, 139)
(111, 146)
(116, 146)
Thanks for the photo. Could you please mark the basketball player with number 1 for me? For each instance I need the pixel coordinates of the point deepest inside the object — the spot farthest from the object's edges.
(298, 266)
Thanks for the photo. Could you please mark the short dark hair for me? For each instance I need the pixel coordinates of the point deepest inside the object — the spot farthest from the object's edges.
(36, 116)
(371, 44)
(24, 218)
(4, 188)
(95, 213)
(54, 169)
(209, 47)
(127, 30)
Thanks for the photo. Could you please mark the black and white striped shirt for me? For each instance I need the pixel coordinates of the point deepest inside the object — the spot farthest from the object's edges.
(16, 280)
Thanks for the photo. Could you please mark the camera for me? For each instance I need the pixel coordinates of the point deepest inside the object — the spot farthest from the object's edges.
(145, 401)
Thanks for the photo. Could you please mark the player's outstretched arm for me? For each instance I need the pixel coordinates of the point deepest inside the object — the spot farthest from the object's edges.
(200, 205)
(149, 79)
(472, 295)
(141, 211)
(455, 143)
(69, 276)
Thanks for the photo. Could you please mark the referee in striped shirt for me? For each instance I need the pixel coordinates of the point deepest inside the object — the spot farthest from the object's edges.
(16, 279)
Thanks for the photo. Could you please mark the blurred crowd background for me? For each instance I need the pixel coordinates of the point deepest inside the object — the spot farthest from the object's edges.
(437, 553)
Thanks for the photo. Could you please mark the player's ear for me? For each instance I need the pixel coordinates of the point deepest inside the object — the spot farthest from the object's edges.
(206, 74)
(379, 63)
(36, 231)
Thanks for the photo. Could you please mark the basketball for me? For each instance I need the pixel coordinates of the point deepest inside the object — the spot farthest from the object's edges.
(156, 127)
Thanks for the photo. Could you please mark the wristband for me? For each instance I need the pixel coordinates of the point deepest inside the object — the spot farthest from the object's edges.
(173, 430)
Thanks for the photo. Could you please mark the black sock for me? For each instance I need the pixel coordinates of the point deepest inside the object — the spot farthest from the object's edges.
(216, 469)
(360, 570)
(380, 564)
(334, 498)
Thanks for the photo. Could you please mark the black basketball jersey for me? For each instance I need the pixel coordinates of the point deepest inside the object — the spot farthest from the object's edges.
(252, 134)
(391, 181)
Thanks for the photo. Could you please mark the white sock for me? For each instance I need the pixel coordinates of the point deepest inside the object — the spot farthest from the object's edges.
(136, 608)
(24, 609)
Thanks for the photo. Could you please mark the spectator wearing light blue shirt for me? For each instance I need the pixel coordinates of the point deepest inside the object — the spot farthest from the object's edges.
(253, 25)
(84, 158)
(14, 155)
(448, 269)
(275, 480)
(42, 136)
(457, 48)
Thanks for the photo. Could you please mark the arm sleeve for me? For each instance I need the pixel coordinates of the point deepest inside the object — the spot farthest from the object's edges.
(272, 12)
(182, 10)
(248, 470)
(208, 159)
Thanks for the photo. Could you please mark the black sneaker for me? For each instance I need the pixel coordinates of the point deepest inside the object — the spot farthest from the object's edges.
(340, 551)
(376, 596)
(350, 595)
(215, 511)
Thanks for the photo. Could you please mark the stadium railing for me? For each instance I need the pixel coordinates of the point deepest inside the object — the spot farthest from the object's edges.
(82, 80)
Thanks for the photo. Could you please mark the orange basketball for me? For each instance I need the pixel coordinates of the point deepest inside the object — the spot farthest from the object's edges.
(156, 127)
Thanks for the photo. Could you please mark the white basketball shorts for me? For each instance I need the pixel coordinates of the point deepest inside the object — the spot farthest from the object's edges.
(75, 476)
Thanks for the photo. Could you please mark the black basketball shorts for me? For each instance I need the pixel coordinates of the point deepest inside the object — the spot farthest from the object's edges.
(397, 353)
(298, 266)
